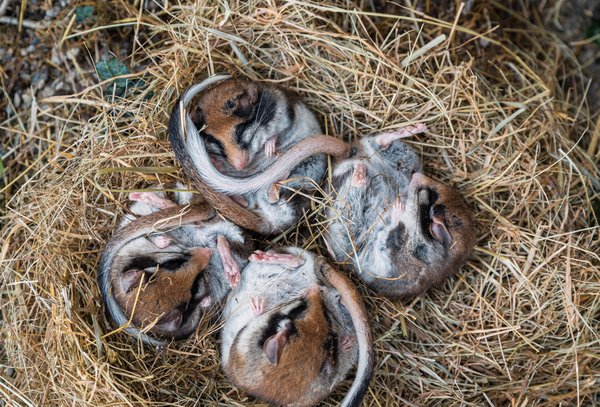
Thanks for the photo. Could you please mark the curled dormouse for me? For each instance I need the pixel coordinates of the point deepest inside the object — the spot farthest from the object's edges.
(248, 146)
(161, 272)
(402, 231)
(293, 329)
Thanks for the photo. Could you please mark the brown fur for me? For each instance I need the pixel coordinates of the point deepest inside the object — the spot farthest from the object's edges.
(292, 379)
(164, 292)
(462, 227)
(210, 109)
(111, 283)
(219, 120)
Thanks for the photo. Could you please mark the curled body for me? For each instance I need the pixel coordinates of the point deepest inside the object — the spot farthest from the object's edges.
(293, 329)
(249, 146)
(162, 271)
(401, 231)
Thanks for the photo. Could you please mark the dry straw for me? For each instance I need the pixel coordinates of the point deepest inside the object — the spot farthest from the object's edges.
(508, 126)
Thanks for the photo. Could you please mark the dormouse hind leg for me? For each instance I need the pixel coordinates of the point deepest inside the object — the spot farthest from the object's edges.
(230, 266)
(270, 257)
(385, 139)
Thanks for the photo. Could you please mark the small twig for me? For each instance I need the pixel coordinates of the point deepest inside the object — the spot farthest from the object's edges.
(35, 25)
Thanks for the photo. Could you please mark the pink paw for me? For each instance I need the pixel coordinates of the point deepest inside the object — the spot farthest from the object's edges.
(161, 241)
(152, 199)
(273, 193)
(386, 138)
(270, 147)
(276, 258)
(240, 200)
(396, 211)
(359, 176)
(257, 305)
(230, 266)
(347, 343)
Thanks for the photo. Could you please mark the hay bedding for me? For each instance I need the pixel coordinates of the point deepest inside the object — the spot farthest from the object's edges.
(518, 325)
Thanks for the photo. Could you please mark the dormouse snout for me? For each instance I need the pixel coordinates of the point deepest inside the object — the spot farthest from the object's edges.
(202, 256)
(239, 160)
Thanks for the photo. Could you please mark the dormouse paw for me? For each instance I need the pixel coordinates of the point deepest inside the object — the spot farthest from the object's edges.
(273, 194)
(152, 199)
(230, 266)
(270, 147)
(161, 241)
(396, 211)
(270, 257)
(359, 175)
(347, 343)
(240, 200)
(386, 139)
(257, 305)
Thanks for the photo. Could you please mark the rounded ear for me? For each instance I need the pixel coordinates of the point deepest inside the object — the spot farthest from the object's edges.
(170, 322)
(440, 233)
(131, 279)
(273, 347)
(197, 116)
(248, 98)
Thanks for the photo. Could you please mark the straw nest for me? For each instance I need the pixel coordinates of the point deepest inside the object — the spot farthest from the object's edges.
(508, 125)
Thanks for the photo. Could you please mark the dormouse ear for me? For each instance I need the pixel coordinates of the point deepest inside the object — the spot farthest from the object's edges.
(170, 321)
(248, 98)
(439, 231)
(131, 280)
(274, 345)
(197, 116)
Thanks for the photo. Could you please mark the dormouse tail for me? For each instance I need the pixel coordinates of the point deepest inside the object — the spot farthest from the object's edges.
(358, 313)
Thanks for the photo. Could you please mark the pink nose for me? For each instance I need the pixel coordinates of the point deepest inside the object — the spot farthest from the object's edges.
(240, 161)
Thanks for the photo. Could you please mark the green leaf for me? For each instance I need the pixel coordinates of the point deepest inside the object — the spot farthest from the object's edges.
(110, 68)
(82, 13)
(1, 168)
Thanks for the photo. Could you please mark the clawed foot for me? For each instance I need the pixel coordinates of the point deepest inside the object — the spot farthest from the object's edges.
(273, 194)
(347, 343)
(230, 266)
(385, 139)
(152, 199)
(161, 241)
(359, 176)
(270, 148)
(240, 200)
(396, 211)
(276, 258)
(257, 304)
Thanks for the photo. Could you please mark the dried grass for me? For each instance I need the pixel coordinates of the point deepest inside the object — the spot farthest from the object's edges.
(508, 125)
